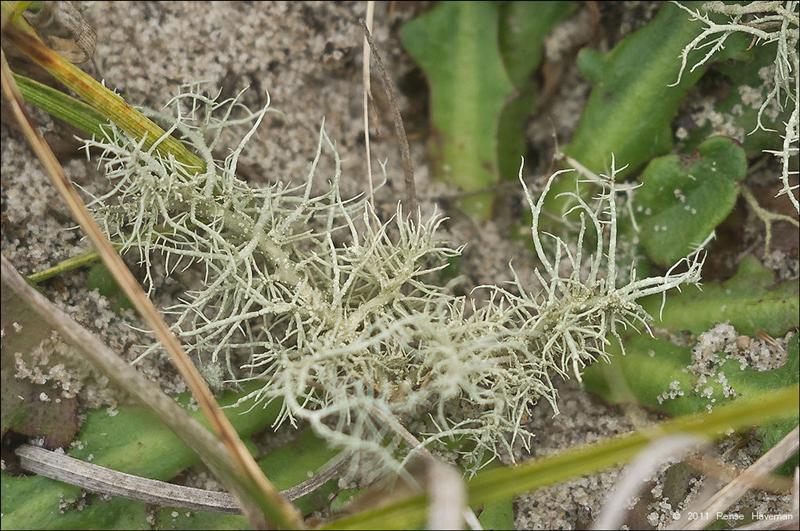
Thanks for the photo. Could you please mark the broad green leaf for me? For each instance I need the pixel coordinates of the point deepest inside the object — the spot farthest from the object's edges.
(498, 514)
(457, 46)
(632, 103)
(653, 366)
(479, 58)
(682, 199)
(750, 301)
(654, 369)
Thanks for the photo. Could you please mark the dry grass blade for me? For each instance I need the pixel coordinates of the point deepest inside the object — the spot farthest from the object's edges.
(725, 473)
(88, 476)
(400, 130)
(734, 490)
(95, 478)
(367, 96)
(277, 509)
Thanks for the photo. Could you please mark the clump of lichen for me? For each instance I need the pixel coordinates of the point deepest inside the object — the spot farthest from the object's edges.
(339, 314)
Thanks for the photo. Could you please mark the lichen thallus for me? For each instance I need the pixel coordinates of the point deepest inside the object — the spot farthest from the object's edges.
(338, 314)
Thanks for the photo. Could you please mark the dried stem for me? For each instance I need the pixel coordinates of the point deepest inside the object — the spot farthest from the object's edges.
(102, 99)
(128, 379)
(88, 476)
(367, 97)
(737, 488)
(388, 86)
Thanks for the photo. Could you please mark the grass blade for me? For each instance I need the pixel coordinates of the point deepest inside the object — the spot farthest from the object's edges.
(501, 483)
(61, 106)
(100, 98)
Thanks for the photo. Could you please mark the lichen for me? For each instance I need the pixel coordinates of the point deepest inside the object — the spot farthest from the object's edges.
(339, 313)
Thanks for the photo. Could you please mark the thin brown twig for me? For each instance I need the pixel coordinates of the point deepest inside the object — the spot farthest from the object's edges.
(733, 491)
(388, 86)
(102, 480)
(725, 473)
(276, 508)
(367, 96)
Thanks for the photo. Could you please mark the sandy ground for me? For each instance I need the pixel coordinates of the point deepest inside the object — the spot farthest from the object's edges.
(307, 56)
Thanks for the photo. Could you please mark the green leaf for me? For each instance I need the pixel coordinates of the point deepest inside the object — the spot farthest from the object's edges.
(169, 518)
(742, 72)
(101, 279)
(498, 514)
(285, 466)
(632, 105)
(653, 366)
(457, 46)
(295, 462)
(683, 199)
(750, 301)
(479, 58)
(61, 106)
(591, 63)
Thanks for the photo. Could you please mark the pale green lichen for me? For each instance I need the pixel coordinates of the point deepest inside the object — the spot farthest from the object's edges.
(337, 313)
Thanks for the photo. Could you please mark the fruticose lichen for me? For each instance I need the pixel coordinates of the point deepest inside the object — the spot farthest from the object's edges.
(338, 313)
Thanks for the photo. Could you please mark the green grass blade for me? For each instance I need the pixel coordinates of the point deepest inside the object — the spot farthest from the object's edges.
(75, 262)
(61, 106)
(99, 97)
(501, 483)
